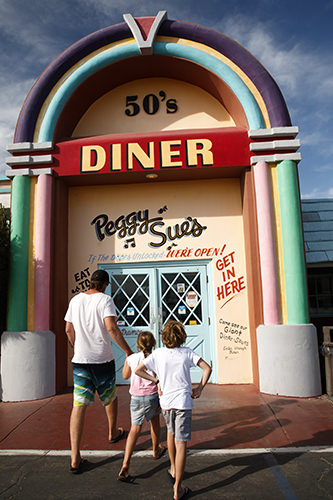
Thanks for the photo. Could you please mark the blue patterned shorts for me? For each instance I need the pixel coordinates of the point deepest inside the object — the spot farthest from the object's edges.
(89, 378)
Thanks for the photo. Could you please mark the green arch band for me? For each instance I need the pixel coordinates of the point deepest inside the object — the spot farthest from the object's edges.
(81, 73)
(292, 243)
(19, 254)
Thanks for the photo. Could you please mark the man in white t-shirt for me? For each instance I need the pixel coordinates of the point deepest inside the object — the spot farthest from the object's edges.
(172, 365)
(90, 321)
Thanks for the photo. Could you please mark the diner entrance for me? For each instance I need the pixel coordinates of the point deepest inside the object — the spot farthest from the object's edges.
(147, 296)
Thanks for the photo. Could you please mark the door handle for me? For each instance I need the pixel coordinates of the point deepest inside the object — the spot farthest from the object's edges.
(152, 317)
(160, 320)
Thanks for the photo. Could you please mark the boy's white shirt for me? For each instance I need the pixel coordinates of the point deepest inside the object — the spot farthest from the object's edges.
(172, 367)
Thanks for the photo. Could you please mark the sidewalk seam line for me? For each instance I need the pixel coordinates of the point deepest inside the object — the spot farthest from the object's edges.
(25, 419)
(148, 453)
(277, 419)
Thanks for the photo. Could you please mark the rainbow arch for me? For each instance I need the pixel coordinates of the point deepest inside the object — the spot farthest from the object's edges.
(260, 96)
(264, 108)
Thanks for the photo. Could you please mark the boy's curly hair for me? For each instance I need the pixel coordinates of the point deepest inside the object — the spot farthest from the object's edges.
(145, 342)
(173, 334)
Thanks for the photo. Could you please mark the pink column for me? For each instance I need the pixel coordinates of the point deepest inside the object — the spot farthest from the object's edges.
(267, 248)
(43, 252)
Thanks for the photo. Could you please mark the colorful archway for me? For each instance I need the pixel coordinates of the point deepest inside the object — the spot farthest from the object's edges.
(243, 83)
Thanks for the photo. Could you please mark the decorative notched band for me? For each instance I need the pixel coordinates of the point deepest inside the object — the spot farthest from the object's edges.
(14, 161)
(29, 172)
(20, 159)
(25, 147)
(283, 147)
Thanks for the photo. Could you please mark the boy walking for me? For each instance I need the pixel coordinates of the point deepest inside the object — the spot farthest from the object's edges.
(172, 367)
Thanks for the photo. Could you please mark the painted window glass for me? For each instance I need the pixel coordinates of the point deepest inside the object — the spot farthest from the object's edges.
(131, 297)
(181, 297)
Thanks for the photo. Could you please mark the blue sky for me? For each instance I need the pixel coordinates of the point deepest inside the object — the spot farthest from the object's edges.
(292, 39)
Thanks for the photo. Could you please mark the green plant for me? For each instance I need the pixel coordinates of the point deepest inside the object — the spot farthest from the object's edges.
(4, 265)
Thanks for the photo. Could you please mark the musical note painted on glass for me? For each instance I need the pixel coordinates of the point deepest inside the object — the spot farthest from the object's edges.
(130, 241)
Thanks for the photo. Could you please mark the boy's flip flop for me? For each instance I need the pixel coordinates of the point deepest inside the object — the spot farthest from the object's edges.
(125, 479)
(120, 436)
(171, 478)
(78, 469)
(186, 493)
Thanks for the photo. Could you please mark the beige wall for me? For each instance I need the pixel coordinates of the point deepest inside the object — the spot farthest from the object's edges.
(216, 204)
(107, 114)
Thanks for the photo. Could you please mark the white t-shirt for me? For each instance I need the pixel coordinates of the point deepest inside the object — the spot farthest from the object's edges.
(139, 386)
(92, 340)
(172, 367)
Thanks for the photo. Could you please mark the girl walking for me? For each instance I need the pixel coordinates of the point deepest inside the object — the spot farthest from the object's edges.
(145, 403)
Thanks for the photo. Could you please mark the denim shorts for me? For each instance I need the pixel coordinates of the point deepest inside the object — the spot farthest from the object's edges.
(144, 407)
(178, 423)
(89, 378)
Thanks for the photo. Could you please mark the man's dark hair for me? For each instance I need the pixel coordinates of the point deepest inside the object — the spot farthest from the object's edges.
(98, 280)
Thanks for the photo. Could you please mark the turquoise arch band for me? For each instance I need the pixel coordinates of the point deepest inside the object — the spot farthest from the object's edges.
(62, 95)
(71, 83)
(250, 106)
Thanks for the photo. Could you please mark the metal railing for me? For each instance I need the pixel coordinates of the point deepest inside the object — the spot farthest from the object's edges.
(327, 352)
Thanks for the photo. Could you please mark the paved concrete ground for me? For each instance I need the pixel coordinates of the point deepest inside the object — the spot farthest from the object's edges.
(224, 417)
(235, 475)
(245, 445)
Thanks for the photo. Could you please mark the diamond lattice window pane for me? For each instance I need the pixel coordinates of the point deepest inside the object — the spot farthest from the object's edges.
(175, 288)
(131, 297)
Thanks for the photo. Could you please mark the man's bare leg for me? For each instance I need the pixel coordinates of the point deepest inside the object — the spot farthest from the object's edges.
(75, 430)
(112, 414)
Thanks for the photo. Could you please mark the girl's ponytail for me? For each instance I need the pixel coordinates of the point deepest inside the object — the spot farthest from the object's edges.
(145, 343)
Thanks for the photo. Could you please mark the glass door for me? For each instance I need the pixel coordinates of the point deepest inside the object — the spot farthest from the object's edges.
(134, 296)
(183, 297)
(147, 297)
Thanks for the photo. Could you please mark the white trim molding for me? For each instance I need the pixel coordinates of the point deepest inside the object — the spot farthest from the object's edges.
(24, 147)
(278, 157)
(273, 132)
(29, 172)
(12, 161)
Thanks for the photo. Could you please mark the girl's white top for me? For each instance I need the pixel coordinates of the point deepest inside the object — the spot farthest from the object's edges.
(139, 386)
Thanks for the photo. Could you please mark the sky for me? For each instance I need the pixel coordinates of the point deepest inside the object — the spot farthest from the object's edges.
(292, 39)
